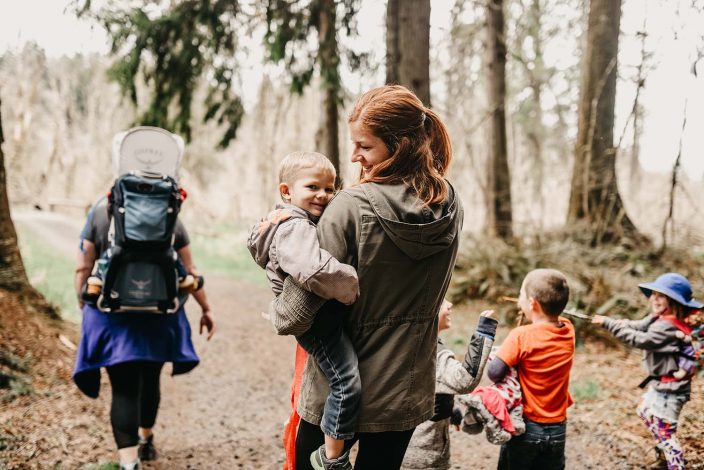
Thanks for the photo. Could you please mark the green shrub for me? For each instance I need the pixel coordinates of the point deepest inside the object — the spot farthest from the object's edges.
(583, 390)
(603, 279)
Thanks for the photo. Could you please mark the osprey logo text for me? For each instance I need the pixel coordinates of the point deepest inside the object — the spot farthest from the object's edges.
(142, 288)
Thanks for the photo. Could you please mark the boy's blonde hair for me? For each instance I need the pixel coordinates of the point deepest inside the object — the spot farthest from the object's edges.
(549, 288)
(294, 162)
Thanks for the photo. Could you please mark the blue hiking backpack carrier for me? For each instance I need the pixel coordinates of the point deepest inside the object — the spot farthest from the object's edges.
(139, 267)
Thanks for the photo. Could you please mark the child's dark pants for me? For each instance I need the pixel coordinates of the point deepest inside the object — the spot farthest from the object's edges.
(541, 447)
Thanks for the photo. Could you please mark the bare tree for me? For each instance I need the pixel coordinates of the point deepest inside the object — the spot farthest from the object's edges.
(594, 196)
(12, 273)
(13, 276)
(408, 45)
(499, 216)
(328, 136)
(289, 24)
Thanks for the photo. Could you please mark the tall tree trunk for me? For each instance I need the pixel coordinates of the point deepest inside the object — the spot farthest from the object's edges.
(594, 197)
(499, 217)
(327, 136)
(12, 274)
(536, 134)
(408, 45)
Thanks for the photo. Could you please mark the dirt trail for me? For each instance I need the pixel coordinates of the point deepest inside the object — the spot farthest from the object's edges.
(57, 230)
(229, 411)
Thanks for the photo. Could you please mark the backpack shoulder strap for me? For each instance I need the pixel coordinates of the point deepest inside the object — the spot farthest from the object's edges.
(679, 324)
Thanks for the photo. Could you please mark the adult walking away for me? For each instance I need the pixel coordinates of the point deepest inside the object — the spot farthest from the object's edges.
(133, 348)
(400, 229)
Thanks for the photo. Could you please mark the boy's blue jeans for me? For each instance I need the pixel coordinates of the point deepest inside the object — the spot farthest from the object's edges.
(541, 447)
(332, 350)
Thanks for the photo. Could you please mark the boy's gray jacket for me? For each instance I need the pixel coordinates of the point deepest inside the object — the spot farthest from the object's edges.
(404, 254)
(660, 344)
(286, 243)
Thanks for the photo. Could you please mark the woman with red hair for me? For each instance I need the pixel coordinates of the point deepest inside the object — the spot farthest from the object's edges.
(399, 227)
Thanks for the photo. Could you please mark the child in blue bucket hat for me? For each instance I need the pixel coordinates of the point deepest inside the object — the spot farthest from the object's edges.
(661, 335)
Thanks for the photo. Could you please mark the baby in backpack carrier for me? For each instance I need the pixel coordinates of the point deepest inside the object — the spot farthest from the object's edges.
(690, 355)
(188, 282)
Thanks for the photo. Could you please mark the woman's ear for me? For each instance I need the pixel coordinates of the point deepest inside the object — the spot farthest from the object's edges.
(284, 191)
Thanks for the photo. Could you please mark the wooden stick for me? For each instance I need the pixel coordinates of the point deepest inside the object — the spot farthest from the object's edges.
(576, 314)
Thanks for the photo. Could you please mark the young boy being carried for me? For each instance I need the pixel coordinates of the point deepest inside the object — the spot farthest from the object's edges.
(543, 352)
(285, 243)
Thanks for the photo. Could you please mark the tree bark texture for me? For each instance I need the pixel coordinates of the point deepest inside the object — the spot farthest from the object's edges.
(594, 196)
(327, 136)
(12, 274)
(499, 216)
(408, 46)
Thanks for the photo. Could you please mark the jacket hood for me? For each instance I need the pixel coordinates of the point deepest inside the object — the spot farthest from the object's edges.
(262, 234)
(416, 230)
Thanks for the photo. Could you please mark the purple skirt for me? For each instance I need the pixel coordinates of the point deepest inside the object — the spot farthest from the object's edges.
(113, 338)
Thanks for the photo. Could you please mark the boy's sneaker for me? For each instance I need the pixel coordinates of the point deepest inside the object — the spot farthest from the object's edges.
(471, 424)
(660, 462)
(320, 462)
(130, 466)
(145, 448)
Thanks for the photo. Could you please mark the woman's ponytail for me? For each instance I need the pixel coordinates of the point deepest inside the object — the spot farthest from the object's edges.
(416, 137)
(440, 144)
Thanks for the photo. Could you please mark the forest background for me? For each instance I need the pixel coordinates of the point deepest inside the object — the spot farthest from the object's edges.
(576, 128)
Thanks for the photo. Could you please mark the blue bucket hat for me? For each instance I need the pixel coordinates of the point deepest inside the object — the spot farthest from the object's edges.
(673, 285)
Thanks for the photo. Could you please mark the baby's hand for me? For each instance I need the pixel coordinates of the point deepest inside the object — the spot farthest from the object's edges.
(486, 313)
(598, 319)
(682, 336)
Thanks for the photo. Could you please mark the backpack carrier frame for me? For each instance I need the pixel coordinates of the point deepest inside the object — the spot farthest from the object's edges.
(138, 270)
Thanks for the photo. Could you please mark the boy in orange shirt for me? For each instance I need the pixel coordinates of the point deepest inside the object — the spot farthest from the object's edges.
(542, 351)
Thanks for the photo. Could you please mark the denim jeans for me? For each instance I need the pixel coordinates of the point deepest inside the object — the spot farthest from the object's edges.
(332, 350)
(541, 447)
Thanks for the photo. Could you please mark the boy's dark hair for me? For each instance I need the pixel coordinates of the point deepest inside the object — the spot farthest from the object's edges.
(549, 288)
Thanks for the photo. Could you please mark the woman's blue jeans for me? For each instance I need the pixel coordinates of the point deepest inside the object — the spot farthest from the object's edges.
(334, 353)
(541, 447)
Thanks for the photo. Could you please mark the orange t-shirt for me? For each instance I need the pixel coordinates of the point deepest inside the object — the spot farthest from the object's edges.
(543, 353)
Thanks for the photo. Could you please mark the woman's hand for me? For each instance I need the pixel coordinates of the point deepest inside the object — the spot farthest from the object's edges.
(208, 322)
(598, 319)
